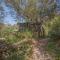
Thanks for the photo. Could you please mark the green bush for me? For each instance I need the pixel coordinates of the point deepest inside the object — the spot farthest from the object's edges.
(54, 33)
(21, 51)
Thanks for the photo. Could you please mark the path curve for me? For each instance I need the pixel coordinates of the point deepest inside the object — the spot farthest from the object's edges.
(39, 52)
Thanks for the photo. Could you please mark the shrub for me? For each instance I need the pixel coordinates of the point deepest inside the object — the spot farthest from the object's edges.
(54, 33)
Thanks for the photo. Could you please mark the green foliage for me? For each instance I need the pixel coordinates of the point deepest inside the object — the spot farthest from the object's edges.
(23, 51)
(53, 49)
(54, 34)
(32, 11)
(55, 31)
(25, 46)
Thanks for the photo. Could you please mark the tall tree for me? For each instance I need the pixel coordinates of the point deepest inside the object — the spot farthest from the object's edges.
(36, 11)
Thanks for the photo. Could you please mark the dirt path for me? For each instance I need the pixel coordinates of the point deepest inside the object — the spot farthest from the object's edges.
(39, 52)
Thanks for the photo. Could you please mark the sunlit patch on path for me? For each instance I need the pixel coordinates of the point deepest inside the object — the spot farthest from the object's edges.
(39, 52)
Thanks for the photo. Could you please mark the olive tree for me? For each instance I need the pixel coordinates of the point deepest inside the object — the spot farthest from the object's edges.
(38, 11)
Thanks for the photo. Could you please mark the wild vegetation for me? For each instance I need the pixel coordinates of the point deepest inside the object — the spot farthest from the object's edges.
(41, 41)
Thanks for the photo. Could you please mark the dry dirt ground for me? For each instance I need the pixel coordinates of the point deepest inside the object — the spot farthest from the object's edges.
(39, 53)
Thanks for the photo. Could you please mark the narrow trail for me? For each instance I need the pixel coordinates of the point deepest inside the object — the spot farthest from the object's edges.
(39, 52)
